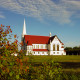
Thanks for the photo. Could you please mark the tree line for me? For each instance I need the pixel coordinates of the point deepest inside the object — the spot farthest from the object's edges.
(72, 50)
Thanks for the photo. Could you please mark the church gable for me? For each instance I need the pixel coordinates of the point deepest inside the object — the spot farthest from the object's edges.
(56, 44)
(55, 39)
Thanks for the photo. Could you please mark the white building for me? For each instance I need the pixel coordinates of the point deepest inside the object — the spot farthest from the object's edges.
(42, 45)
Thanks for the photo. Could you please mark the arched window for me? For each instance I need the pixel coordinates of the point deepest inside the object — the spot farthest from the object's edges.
(34, 46)
(45, 46)
(38, 52)
(38, 46)
(57, 47)
(41, 46)
(54, 47)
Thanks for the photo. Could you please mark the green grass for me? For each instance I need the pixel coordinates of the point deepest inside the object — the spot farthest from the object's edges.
(68, 58)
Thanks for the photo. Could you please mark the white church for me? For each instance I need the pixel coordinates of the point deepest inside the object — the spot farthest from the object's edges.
(41, 45)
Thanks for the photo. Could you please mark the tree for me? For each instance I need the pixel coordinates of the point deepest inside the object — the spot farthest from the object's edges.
(5, 40)
(11, 67)
(73, 51)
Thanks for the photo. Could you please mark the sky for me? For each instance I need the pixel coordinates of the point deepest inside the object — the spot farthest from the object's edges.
(60, 17)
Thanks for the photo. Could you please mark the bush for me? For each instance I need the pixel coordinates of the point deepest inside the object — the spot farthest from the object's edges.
(12, 68)
(49, 71)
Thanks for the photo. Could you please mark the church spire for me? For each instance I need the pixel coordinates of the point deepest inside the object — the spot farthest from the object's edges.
(24, 29)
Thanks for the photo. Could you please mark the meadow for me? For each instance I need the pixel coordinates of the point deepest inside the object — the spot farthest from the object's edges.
(67, 58)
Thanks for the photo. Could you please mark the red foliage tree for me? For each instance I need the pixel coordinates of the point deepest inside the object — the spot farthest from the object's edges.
(5, 40)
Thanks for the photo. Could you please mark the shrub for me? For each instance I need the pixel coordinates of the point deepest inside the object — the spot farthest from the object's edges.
(49, 71)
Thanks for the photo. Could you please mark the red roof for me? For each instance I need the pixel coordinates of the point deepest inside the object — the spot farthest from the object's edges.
(33, 39)
(40, 50)
(29, 43)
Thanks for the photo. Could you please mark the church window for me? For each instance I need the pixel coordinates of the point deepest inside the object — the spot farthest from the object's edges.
(41, 46)
(45, 46)
(38, 46)
(38, 52)
(34, 46)
(53, 52)
(54, 47)
(57, 47)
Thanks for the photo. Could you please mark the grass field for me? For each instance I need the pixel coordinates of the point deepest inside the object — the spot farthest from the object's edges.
(69, 63)
(68, 58)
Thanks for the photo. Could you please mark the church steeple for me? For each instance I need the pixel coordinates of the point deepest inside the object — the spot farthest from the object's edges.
(24, 29)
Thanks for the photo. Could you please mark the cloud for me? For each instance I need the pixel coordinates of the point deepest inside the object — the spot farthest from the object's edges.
(43, 9)
(1, 15)
(72, 44)
(72, 6)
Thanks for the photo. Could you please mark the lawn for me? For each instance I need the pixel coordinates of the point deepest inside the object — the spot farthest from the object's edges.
(68, 58)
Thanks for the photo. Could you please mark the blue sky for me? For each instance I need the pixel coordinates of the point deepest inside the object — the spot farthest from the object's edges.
(60, 17)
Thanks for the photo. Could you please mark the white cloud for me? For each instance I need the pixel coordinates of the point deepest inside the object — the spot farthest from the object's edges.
(43, 9)
(1, 15)
(72, 6)
(72, 44)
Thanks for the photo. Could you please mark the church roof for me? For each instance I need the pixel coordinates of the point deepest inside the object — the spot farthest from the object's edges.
(34, 39)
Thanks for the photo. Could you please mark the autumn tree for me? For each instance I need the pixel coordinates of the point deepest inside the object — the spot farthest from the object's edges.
(5, 40)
